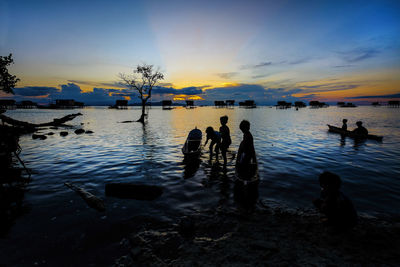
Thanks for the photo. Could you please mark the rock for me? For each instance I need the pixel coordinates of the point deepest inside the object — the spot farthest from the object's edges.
(39, 136)
(50, 133)
(63, 133)
(133, 191)
(89, 132)
(79, 131)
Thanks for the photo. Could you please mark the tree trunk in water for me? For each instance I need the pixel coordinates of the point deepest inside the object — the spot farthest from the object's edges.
(143, 112)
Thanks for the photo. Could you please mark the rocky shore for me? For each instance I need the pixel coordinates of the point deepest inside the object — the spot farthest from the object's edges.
(268, 236)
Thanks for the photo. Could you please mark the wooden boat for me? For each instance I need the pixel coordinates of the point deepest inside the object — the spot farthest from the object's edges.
(334, 129)
(192, 153)
(192, 147)
(247, 174)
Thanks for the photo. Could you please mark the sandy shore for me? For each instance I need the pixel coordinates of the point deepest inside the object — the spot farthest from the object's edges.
(267, 236)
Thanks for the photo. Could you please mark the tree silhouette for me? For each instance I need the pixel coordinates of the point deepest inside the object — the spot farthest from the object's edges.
(7, 81)
(143, 79)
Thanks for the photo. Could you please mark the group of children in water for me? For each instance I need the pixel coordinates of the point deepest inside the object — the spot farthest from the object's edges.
(222, 141)
(337, 208)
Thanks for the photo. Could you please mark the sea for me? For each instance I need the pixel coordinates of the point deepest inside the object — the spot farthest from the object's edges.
(293, 148)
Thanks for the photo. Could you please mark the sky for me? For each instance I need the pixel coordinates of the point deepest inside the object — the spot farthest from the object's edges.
(208, 50)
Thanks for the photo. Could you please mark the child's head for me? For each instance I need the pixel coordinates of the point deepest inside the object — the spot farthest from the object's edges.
(344, 120)
(359, 123)
(209, 131)
(330, 181)
(224, 120)
(244, 126)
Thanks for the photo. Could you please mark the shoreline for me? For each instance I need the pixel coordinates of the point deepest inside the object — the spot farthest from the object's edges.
(268, 236)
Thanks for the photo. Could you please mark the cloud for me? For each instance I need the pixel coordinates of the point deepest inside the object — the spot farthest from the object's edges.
(98, 96)
(227, 75)
(358, 54)
(260, 76)
(35, 91)
(186, 91)
(327, 87)
(255, 92)
(343, 66)
(375, 96)
(106, 84)
(298, 61)
(256, 66)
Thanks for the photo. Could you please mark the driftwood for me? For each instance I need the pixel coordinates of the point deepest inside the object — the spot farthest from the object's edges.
(31, 127)
(93, 201)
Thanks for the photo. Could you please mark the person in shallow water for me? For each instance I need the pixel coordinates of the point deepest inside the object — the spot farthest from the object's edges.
(338, 208)
(225, 136)
(215, 140)
(360, 130)
(344, 126)
(246, 153)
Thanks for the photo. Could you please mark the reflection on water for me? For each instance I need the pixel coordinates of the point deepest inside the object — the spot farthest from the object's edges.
(293, 148)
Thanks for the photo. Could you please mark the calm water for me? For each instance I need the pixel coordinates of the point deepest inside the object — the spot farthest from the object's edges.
(293, 148)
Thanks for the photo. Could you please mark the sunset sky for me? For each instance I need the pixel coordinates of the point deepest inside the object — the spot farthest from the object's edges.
(211, 50)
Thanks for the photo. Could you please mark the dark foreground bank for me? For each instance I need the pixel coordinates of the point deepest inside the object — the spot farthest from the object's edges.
(268, 236)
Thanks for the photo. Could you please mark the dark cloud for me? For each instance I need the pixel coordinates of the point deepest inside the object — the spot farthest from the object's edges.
(227, 75)
(186, 91)
(35, 91)
(375, 96)
(358, 54)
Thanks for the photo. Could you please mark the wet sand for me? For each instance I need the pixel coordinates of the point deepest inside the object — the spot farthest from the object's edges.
(270, 235)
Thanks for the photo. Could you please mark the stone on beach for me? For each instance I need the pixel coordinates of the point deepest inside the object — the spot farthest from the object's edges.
(79, 131)
(39, 136)
(63, 133)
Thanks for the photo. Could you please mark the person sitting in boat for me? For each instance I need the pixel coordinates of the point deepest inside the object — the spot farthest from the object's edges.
(225, 136)
(337, 207)
(246, 154)
(215, 140)
(360, 130)
(344, 126)
(194, 139)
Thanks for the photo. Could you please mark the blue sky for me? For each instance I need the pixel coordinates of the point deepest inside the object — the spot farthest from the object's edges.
(326, 50)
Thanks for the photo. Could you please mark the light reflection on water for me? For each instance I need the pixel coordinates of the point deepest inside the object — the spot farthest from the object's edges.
(293, 148)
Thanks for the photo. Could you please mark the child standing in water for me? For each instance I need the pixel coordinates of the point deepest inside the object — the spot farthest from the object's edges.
(246, 154)
(215, 140)
(225, 136)
(344, 126)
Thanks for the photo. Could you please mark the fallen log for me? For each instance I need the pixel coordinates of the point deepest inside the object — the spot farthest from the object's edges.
(32, 126)
(93, 201)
